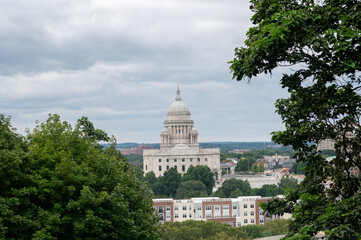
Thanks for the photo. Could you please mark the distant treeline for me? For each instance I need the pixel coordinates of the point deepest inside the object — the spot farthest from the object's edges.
(224, 146)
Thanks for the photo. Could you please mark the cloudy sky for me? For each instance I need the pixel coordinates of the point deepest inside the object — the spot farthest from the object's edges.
(119, 63)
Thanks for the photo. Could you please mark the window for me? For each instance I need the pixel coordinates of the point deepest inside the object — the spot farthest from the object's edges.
(261, 221)
(245, 214)
(239, 224)
(199, 208)
(190, 207)
(161, 209)
(191, 159)
(183, 160)
(225, 210)
(260, 212)
(176, 208)
(160, 168)
(167, 216)
(184, 215)
(146, 167)
(175, 167)
(209, 215)
(176, 215)
(216, 208)
(175, 160)
(198, 159)
(252, 205)
(167, 160)
(184, 207)
(208, 207)
(190, 215)
(235, 207)
(167, 208)
(183, 168)
(252, 220)
(245, 220)
(159, 160)
(167, 167)
(244, 205)
(199, 215)
(161, 217)
(252, 213)
(206, 159)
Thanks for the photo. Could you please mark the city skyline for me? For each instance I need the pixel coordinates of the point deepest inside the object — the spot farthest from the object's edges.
(119, 64)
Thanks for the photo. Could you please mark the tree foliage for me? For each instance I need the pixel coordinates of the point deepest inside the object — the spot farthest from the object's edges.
(215, 230)
(321, 39)
(287, 182)
(191, 189)
(200, 173)
(235, 186)
(59, 184)
(243, 165)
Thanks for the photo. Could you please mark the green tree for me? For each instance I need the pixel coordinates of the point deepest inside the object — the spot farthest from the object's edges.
(200, 173)
(236, 193)
(170, 182)
(231, 185)
(242, 165)
(254, 168)
(287, 182)
(150, 179)
(194, 230)
(322, 40)
(191, 189)
(269, 190)
(61, 185)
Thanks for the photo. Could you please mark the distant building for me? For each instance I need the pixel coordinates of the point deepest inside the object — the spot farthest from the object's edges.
(236, 212)
(179, 146)
(137, 150)
(228, 167)
(270, 162)
(326, 144)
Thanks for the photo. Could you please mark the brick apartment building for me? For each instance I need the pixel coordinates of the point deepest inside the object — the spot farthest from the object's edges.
(233, 211)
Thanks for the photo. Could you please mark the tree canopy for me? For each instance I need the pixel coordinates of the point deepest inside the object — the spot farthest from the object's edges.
(322, 41)
(191, 188)
(58, 183)
(200, 173)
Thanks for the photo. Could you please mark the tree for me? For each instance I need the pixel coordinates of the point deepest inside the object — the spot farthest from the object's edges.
(287, 182)
(150, 179)
(321, 39)
(194, 230)
(191, 189)
(269, 190)
(61, 185)
(231, 185)
(242, 165)
(170, 182)
(201, 173)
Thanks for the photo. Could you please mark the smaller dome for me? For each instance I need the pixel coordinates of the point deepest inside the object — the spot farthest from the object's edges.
(181, 146)
(165, 131)
(194, 130)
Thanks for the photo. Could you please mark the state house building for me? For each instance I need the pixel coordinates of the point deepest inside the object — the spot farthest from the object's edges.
(179, 147)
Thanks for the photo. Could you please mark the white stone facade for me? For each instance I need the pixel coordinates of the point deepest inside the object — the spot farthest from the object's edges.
(179, 146)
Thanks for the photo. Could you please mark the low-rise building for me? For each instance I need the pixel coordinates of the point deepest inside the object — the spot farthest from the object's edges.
(233, 211)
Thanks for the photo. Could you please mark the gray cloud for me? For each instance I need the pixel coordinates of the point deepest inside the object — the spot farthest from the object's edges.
(119, 62)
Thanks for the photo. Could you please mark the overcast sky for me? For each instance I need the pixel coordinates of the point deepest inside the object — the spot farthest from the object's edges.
(119, 64)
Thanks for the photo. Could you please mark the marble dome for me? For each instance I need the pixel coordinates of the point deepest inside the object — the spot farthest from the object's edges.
(178, 110)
